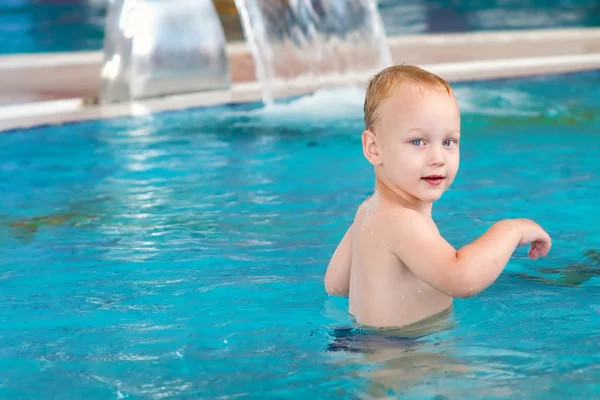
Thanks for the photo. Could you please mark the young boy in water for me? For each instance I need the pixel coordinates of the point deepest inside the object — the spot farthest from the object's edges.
(392, 262)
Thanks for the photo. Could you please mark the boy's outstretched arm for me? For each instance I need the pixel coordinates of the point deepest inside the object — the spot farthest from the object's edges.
(474, 267)
(337, 276)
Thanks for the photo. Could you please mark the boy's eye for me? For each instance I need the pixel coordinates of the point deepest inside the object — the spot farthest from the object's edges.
(449, 142)
(417, 142)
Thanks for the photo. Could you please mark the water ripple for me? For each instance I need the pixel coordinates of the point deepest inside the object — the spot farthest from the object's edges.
(176, 256)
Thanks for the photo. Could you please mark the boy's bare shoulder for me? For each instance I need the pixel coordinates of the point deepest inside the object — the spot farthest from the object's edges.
(399, 219)
(390, 215)
(361, 209)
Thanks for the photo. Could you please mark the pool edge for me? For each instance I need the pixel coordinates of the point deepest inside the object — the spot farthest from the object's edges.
(456, 57)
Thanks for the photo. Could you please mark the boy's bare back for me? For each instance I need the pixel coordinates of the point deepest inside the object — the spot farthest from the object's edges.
(392, 263)
(383, 291)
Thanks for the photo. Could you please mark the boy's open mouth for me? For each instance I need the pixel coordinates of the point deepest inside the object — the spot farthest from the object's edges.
(433, 179)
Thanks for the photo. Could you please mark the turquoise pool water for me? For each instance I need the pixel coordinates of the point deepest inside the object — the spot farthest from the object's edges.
(72, 25)
(181, 255)
(30, 26)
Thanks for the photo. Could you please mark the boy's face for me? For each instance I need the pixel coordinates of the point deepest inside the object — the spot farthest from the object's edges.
(417, 142)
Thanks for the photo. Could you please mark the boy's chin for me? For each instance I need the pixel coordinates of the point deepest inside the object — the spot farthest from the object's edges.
(431, 197)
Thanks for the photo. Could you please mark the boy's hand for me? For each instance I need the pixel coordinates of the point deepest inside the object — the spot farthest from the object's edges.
(534, 234)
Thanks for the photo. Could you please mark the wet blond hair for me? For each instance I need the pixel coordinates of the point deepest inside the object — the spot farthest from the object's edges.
(383, 84)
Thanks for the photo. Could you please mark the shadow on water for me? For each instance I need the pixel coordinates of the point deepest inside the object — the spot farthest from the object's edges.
(398, 359)
(572, 275)
(551, 119)
(76, 215)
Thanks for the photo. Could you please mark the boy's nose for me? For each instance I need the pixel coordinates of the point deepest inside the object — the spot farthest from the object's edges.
(435, 156)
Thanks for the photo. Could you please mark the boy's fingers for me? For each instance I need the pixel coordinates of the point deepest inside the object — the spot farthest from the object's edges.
(543, 248)
(532, 251)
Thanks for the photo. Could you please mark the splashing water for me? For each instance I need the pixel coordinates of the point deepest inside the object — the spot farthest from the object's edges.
(317, 42)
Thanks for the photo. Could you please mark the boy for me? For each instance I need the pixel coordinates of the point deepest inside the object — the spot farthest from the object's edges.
(392, 262)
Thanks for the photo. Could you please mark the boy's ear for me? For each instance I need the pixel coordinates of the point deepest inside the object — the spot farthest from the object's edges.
(370, 147)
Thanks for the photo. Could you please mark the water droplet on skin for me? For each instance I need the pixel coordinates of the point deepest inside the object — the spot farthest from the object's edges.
(403, 297)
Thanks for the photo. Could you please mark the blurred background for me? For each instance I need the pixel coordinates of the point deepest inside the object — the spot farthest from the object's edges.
(78, 25)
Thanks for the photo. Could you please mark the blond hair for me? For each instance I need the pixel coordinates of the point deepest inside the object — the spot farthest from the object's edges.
(383, 84)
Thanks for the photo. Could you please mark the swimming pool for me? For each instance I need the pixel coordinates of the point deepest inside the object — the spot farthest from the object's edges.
(77, 25)
(182, 254)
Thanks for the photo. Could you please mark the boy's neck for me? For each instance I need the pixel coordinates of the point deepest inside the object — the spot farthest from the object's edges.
(395, 195)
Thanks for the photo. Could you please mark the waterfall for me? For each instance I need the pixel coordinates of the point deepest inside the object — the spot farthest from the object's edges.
(312, 42)
(155, 48)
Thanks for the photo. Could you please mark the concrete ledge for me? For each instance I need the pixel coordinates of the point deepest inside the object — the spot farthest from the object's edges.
(496, 45)
(60, 87)
(515, 67)
(61, 111)
(38, 77)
